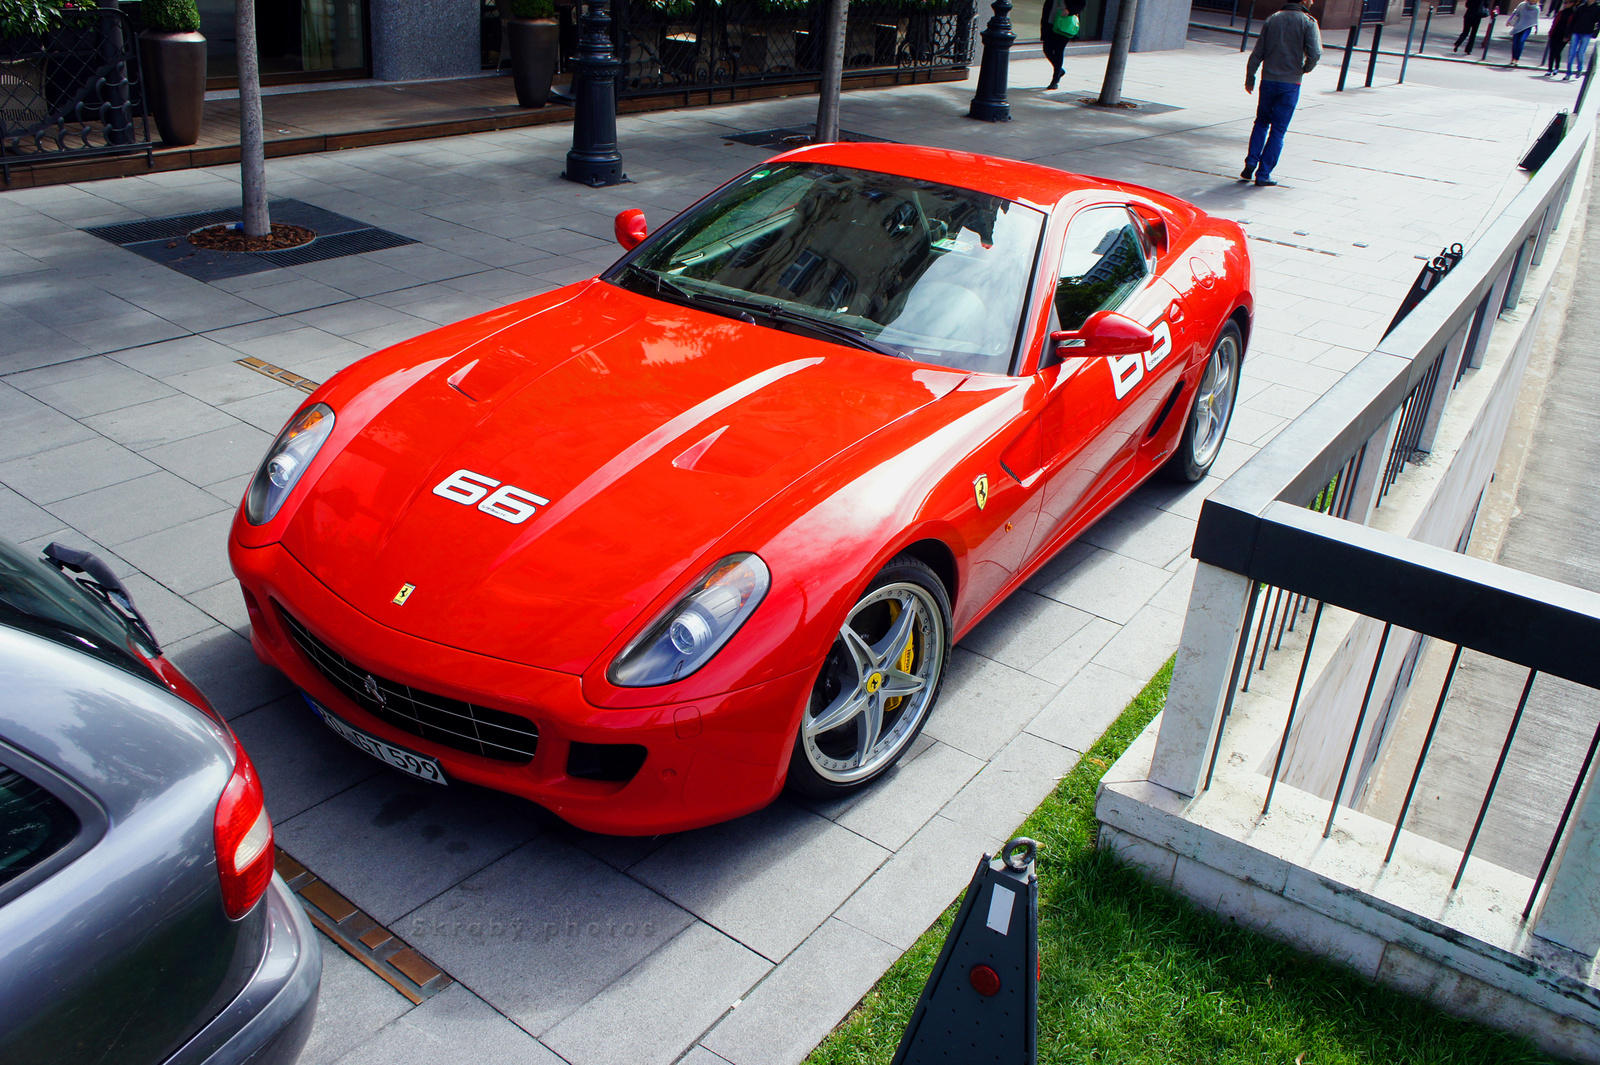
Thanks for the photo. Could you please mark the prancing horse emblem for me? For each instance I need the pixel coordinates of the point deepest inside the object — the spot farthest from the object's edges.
(403, 594)
(376, 692)
(980, 490)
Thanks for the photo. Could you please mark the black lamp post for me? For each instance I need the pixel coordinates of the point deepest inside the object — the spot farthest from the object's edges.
(989, 102)
(594, 159)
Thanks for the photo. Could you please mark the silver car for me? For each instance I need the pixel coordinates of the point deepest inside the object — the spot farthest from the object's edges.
(140, 917)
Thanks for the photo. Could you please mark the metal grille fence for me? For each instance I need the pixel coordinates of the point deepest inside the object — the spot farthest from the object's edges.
(75, 90)
(686, 43)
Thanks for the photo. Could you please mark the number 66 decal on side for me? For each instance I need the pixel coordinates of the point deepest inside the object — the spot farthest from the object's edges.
(506, 502)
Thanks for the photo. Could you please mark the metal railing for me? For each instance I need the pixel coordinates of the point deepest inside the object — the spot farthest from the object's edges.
(1290, 526)
(73, 91)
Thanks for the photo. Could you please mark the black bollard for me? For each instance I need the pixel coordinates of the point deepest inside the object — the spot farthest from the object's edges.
(989, 102)
(1488, 35)
(594, 159)
(1244, 36)
(1349, 46)
(1372, 60)
(1427, 22)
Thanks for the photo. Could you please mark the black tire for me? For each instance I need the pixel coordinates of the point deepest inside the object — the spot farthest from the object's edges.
(1205, 426)
(831, 763)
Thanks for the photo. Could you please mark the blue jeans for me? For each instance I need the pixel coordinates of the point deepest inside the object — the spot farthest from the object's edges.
(1519, 39)
(1578, 52)
(1274, 109)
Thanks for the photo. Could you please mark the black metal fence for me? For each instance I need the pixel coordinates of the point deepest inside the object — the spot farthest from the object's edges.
(1271, 524)
(75, 90)
(689, 43)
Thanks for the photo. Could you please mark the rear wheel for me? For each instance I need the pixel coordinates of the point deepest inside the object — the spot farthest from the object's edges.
(1212, 409)
(878, 683)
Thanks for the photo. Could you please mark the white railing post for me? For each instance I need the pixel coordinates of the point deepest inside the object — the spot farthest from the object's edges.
(1201, 678)
(1442, 388)
(1571, 913)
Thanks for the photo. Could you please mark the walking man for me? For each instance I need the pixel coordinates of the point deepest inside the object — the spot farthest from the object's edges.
(1585, 21)
(1289, 47)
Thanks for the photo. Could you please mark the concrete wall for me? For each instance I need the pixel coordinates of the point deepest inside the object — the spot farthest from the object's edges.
(1160, 25)
(414, 39)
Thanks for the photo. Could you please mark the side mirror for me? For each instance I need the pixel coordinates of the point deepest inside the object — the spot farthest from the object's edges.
(630, 228)
(1105, 333)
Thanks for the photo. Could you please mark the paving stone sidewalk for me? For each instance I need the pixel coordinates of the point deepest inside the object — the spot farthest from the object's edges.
(128, 426)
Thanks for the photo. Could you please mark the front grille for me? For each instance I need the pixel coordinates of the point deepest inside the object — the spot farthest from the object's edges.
(436, 718)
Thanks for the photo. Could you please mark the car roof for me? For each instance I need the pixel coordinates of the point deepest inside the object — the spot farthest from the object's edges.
(1031, 183)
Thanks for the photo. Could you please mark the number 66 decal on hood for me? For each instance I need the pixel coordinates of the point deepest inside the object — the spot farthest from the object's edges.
(507, 502)
(1128, 370)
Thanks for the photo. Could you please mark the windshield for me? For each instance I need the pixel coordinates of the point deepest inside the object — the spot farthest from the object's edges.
(936, 273)
(36, 596)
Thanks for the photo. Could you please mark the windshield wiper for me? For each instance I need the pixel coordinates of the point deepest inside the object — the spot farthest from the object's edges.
(748, 310)
(776, 312)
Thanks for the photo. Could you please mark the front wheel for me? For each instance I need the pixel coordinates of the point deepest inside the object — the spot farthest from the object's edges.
(877, 685)
(1212, 409)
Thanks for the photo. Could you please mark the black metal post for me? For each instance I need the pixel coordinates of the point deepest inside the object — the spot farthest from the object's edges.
(1234, 14)
(989, 102)
(1425, 24)
(1349, 47)
(1410, 33)
(1487, 37)
(1249, 13)
(1372, 60)
(1583, 86)
(594, 159)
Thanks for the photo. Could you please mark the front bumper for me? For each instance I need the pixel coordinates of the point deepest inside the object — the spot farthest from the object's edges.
(269, 1021)
(706, 761)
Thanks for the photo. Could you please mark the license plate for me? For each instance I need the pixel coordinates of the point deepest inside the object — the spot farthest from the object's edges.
(418, 765)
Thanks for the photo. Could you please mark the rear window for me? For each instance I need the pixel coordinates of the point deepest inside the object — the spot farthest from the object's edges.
(34, 595)
(34, 824)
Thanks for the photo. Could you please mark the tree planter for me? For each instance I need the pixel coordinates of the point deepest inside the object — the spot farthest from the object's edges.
(534, 46)
(174, 82)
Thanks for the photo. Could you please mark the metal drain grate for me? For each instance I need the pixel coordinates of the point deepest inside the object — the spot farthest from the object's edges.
(163, 228)
(353, 243)
(164, 240)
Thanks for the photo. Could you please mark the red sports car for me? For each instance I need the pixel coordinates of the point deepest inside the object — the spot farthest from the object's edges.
(648, 547)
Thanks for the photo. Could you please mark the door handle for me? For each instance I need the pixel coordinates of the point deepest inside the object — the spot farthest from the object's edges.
(1175, 312)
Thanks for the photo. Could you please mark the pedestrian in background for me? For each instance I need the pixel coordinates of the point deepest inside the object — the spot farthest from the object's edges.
(1058, 25)
(1560, 34)
(1585, 21)
(1524, 20)
(1288, 48)
(1475, 12)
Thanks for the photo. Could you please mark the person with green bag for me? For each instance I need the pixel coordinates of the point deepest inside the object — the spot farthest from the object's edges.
(1058, 25)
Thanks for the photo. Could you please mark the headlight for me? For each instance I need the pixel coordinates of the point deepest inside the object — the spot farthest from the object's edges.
(686, 636)
(286, 460)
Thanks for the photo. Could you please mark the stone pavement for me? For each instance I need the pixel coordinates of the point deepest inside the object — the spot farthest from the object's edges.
(127, 426)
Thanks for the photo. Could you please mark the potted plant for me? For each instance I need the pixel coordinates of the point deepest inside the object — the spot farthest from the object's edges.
(532, 37)
(173, 55)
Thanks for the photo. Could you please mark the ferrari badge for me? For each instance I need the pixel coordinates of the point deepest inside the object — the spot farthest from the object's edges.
(403, 594)
(980, 490)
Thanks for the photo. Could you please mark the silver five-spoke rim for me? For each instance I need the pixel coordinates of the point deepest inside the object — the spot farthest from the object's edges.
(1214, 400)
(876, 684)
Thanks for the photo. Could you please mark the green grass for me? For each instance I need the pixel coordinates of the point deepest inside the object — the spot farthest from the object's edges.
(1134, 974)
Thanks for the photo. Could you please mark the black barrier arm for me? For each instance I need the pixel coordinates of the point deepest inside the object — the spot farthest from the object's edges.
(1372, 60)
(1430, 275)
(1349, 46)
(983, 992)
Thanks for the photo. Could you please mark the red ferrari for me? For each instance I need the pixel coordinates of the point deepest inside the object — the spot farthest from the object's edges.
(646, 548)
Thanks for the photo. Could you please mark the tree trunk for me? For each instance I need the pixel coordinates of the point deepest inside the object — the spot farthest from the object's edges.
(252, 155)
(832, 71)
(1117, 64)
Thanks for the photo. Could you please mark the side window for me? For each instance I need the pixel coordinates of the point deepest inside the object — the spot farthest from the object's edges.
(34, 824)
(1102, 264)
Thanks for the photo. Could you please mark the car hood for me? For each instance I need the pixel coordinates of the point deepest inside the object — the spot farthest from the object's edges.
(651, 429)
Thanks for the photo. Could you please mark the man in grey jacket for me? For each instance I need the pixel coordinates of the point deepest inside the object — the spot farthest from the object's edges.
(1289, 46)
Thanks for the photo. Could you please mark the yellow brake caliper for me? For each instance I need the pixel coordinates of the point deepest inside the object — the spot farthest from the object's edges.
(906, 660)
